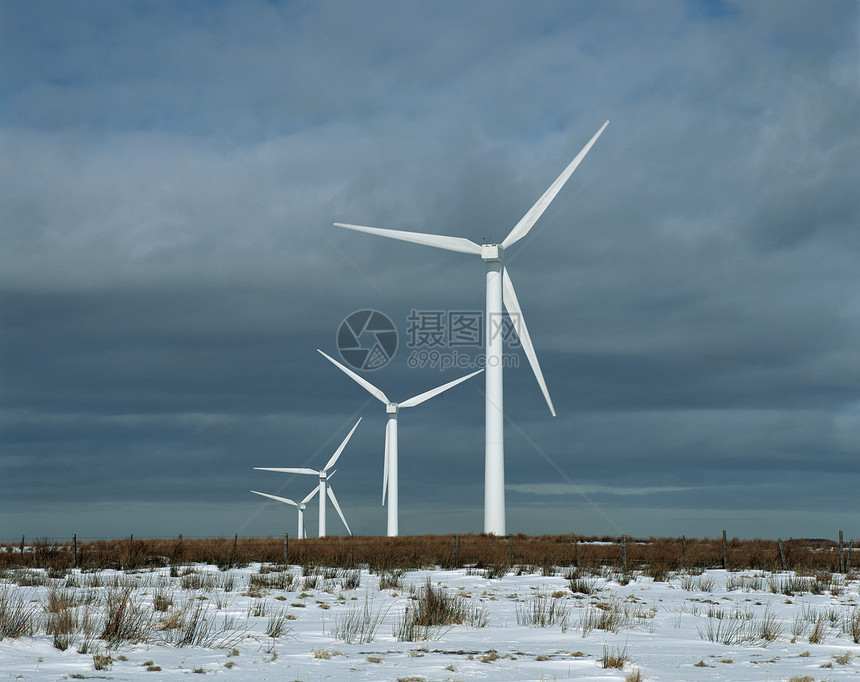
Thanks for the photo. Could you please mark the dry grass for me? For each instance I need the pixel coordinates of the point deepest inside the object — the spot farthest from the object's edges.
(542, 610)
(741, 627)
(613, 659)
(656, 557)
(578, 583)
(391, 579)
(851, 624)
(819, 630)
(126, 621)
(17, 616)
(434, 609)
(358, 624)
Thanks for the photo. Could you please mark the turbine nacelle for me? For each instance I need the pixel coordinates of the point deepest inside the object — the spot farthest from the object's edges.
(492, 252)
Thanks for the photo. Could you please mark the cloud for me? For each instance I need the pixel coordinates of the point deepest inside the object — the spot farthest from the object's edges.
(169, 182)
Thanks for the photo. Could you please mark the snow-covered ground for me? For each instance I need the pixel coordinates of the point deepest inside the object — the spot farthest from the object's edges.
(717, 625)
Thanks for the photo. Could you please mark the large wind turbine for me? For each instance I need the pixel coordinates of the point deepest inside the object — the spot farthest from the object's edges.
(389, 476)
(301, 506)
(500, 291)
(324, 488)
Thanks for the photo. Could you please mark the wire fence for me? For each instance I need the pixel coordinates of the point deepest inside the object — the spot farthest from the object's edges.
(654, 556)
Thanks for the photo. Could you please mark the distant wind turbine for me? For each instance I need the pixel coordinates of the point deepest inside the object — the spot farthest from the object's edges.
(323, 488)
(390, 475)
(500, 290)
(301, 506)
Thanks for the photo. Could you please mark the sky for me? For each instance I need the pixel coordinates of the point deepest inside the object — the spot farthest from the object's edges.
(170, 177)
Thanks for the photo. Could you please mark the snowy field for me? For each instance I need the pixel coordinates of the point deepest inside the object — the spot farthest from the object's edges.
(263, 623)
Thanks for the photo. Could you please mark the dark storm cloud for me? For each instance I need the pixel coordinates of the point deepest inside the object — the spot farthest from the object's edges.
(169, 179)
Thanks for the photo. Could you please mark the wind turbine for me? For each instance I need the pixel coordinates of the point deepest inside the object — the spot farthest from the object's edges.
(389, 476)
(323, 488)
(301, 506)
(500, 291)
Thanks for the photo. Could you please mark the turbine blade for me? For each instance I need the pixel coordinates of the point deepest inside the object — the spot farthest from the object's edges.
(385, 465)
(311, 495)
(337, 508)
(275, 497)
(418, 399)
(521, 229)
(290, 470)
(342, 446)
(512, 305)
(364, 383)
(440, 241)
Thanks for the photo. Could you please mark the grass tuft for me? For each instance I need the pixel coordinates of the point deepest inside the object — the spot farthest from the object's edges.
(17, 616)
(358, 625)
(125, 620)
(541, 610)
(432, 610)
(613, 659)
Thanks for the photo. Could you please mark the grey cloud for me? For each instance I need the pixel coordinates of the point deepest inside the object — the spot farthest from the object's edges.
(692, 293)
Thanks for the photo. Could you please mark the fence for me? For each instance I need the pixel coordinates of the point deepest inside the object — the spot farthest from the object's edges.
(654, 556)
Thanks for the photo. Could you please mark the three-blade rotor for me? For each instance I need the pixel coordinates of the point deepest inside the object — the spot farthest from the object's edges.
(324, 475)
(379, 395)
(461, 245)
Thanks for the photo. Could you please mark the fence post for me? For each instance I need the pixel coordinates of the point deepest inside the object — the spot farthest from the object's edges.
(725, 551)
(235, 548)
(511, 540)
(684, 546)
(848, 558)
(74, 550)
(624, 551)
(286, 548)
(575, 551)
(781, 553)
(841, 554)
(22, 545)
(177, 549)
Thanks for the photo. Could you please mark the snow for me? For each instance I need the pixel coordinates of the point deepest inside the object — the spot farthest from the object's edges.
(661, 627)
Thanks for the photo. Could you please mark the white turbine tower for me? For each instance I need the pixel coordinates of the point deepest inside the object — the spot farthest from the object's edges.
(390, 476)
(323, 488)
(301, 506)
(500, 291)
